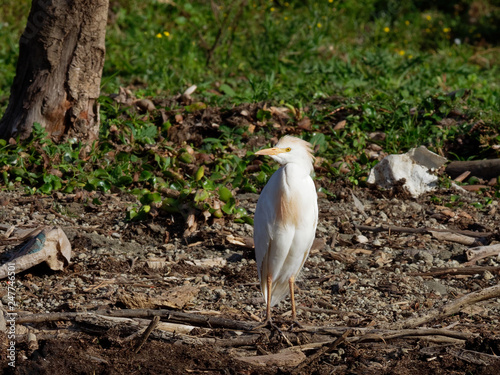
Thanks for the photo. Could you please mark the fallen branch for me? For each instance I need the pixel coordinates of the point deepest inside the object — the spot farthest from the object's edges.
(319, 338)
(457, 271)
(474, 357)
(450, 308)
(419, 332)
(486, 169)
(476, 253)
(169, 315)
(385, 228)
(455, 237)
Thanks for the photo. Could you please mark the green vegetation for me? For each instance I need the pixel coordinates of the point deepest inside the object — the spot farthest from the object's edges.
(350, 76)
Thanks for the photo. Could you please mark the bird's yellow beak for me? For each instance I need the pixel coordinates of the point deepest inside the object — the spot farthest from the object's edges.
(271, 151)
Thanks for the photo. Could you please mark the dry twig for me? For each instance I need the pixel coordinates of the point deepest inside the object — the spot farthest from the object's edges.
(450, 308)
(385, 228)
(325, 349)
(151, 327)
(457, 271)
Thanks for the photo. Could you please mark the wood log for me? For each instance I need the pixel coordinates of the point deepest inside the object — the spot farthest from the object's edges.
(485, 169)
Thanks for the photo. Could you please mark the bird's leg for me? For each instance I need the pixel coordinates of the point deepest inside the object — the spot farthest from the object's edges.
(291, 283)
(268, 322)
(268, 306)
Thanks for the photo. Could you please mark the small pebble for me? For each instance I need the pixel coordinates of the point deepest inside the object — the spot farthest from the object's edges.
(487, 275)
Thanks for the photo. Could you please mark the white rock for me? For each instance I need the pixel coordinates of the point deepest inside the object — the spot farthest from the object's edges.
(414, 167)
(361, 239)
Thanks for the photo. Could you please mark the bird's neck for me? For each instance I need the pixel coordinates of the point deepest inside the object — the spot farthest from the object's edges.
(297, 170)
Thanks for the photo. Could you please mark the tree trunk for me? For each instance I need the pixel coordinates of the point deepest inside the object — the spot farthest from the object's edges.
(58, 76)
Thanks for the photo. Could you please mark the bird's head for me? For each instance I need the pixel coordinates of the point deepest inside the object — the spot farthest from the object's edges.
(290, 150)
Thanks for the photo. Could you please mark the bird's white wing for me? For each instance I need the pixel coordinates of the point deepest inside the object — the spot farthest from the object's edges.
(265, 218)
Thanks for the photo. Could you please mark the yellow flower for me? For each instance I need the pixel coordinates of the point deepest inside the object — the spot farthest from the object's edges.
(285, 18)
(330, 1)
(319, 25)
(410, 56)
(159, 35)
(428, 17)
(402, 53)
(446, 29)
(407, 22)
(166, 33)
(386, 29)
(427, 30)
(272, 9)
(287, 4)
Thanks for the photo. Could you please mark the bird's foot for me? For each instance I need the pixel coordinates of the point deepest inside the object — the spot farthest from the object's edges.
(267, 324)
(274, 330)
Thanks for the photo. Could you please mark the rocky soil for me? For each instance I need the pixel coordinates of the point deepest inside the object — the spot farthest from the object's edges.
(369, 281)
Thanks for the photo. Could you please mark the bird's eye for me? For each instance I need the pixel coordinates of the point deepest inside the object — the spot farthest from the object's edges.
(288, 149)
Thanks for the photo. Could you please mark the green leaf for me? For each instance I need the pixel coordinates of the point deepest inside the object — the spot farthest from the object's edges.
(46, 188)
(186, 157)
(228, 208)
(225, 194)
(227, 90)
(263, 115)
(150, 198)
(145, 176)
(200, 173)
(103, 186)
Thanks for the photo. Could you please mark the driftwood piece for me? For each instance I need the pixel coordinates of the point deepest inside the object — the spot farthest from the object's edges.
(474, 357)
(485, 169)
(169, 315)
(476, 253)
(420, 332)
(450, 308)
(385, 228)
(285, 358)
(457, 271)
(455, 237)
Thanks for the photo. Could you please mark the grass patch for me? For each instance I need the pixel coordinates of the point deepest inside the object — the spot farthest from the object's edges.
(368, 77)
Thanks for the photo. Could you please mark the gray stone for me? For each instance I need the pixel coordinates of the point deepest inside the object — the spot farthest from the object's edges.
(436, 286)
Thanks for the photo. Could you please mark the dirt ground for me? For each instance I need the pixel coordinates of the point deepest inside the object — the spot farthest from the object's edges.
(359, 279)
(91, 317)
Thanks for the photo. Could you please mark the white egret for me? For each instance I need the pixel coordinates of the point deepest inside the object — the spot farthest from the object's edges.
(285, 221)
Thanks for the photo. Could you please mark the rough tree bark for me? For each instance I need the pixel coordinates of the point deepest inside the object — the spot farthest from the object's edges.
(58, 74)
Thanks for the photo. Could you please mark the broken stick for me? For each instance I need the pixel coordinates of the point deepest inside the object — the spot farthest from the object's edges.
(151, 327)
(457, 271)
(384, 228)
(168, 315)
(476, 253)
(450, 308)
